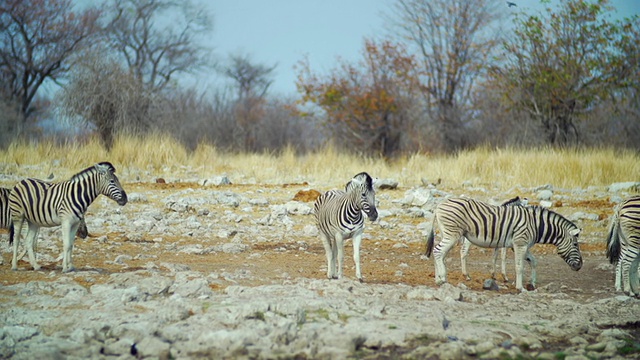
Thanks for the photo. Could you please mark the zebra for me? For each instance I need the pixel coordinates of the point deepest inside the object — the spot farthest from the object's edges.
(40, 203)
(339, 217)
(5, 220)
(623, 245)
(501, 226)
(466, 244)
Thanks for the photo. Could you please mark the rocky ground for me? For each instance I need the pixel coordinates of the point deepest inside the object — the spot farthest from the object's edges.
(202, 268)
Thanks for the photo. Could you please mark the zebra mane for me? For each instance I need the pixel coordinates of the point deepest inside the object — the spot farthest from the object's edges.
(360, 178)
(553, 213)
(93, 169)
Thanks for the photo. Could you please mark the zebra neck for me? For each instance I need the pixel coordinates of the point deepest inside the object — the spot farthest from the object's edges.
(85, 191)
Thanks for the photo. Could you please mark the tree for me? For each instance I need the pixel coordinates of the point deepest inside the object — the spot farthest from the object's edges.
(37, 40)
(454, 40)
(251, 81)
(158, 39)
(108, 97)
(365, 104)
(561, 65)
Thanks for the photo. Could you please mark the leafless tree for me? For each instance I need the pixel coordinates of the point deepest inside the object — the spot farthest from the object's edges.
(454, 40)
(158, 39)
(251, 81)
(37, 41)
(106, 97)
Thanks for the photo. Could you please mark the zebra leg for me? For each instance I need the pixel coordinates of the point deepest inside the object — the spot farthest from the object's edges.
(626, 265)
(68, 237)
(439, 253)
(328, 250)
(520, 250)
(357, 240)
(504, 251)
(634, 282)
(340, 247)
(32, 235)
(17, 233)
(534, 264)
(618, 281)
(464, 252)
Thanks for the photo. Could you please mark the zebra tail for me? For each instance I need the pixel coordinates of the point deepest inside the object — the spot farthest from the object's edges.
(613, 240)
(430, 241)
(11, 232)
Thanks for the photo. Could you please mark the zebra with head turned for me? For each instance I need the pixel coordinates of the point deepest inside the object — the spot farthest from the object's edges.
(339, 217)
(466, 244)
(44, 204)
(5, 220)
(492, 226)
(623, 245)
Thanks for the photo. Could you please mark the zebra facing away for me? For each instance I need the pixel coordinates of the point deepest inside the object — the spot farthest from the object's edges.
(339, 217)
(44, 204)
(623, 245)
(466, 244)
(501, 226)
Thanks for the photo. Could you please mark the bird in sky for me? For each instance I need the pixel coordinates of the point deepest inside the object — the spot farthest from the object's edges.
(511, 4)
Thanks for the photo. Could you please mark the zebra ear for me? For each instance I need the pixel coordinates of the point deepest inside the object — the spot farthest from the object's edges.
(574, 232)
(103, 168)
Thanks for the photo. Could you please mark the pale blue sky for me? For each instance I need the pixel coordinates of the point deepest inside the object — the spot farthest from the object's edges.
(284, 31)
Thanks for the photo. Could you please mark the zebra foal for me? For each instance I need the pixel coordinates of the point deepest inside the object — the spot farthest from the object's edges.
(623, 245)
(339, 217)
(501, 226)
(40, 203)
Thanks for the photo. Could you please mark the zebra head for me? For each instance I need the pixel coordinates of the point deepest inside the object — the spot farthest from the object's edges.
(108, 183)
(568, 246)
(363, 183)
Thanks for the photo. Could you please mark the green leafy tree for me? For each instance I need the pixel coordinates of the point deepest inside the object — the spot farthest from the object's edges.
(561, 64)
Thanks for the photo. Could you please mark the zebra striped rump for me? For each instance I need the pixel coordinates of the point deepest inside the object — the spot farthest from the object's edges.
(623, 245)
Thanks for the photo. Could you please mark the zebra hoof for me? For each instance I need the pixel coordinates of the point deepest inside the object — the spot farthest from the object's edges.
(69, 269)
(467, 277)
(440, 282)
(530, 287)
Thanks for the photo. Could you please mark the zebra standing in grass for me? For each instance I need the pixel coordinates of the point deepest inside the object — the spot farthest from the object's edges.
(623, 245)
(44, 204)
(501, 226)
(339, 217)
(466, 244)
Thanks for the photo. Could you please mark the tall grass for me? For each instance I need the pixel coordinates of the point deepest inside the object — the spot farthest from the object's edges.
(161, 156)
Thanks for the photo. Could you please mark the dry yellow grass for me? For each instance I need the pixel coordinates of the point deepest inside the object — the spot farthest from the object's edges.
(161, 156)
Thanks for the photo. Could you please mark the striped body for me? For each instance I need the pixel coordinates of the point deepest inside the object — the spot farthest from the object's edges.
(491, 226)
(339, 217)
(5, 214)
(623, 245)
(40, 203)
(464, 251)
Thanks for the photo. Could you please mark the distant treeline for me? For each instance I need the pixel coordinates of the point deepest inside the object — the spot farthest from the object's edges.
(449, 75)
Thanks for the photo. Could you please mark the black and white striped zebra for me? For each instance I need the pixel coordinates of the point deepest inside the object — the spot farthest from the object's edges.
(339, 217)
(5, 220)
(466, 244)
(623, 245)
(501, 226)
(45, 204)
